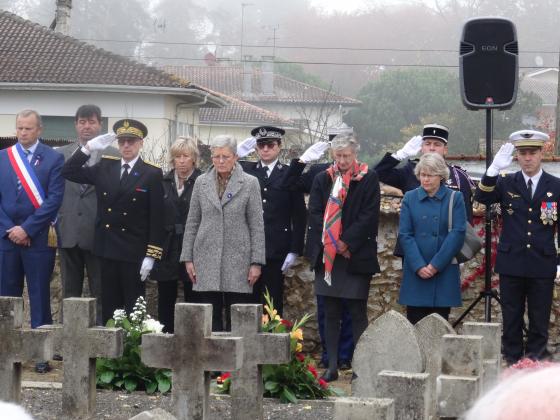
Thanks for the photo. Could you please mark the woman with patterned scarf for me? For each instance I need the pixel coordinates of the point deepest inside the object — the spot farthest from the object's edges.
(342, 241)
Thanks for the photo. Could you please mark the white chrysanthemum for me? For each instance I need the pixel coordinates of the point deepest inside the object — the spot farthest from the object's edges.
(151, 325)
(119, 315)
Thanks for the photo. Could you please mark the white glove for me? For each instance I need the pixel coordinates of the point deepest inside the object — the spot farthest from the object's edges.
(411, 148)
(101, 142)
(289, 261)
(246, 147)
(557, 279)
(314, 152)
(502, 160)
(147, 265)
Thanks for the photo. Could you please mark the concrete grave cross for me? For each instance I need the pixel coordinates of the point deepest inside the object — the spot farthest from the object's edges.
(80, 342)
(259, 349)
(16, 346)
(192, 353)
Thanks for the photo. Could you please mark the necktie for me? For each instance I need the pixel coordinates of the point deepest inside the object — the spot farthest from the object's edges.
(27, 154)
(266, 171)
(530, 187)
(124, 175)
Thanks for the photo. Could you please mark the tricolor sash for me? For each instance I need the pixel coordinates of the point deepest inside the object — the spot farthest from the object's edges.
(26, 175)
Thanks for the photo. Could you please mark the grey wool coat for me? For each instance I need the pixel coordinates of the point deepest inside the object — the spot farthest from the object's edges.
(223, 237)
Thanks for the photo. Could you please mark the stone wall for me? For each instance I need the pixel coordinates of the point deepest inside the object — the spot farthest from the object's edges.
(300, 298)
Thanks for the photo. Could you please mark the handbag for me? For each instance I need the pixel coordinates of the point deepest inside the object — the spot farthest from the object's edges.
(473, 242)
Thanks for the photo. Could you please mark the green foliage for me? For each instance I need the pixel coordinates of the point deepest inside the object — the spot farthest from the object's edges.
(128, 372)
(401, 101)
(297, 72)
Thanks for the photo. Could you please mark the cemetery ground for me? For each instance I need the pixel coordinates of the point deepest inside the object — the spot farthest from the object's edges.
(41, 396)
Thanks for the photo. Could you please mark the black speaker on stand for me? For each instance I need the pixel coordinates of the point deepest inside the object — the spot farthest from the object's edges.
(488, 73)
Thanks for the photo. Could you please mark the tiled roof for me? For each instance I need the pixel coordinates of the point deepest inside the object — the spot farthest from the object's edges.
(31, 53)
(547, 91)
(229, 80)
(236, 111)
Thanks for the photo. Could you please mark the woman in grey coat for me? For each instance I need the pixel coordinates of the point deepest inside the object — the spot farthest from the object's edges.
(223, 245)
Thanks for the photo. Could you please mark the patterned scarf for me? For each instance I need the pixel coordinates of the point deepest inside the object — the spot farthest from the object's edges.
(332, 222)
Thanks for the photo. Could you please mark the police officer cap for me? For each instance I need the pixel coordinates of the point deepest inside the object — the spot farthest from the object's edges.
(130, 128)
(528, 138)
(266, 133)
(435, 131)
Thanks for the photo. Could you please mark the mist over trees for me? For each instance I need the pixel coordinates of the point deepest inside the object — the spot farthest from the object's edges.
(401, 60)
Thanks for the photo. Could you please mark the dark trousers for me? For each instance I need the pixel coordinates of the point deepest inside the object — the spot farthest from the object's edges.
(37, 267)
(221, 302)
(333, 312)
(167, 297)
(120, 286)
(514, 292)
(345, 340)
(74, 263)
(271, 279)
(416, 313)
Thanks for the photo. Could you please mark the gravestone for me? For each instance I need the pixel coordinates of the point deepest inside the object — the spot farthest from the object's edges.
(410, 391)
(430, 331)
(389, 343)
(18, 345)
(491, 349)
(80, 342)
(349, 408)
(192, 353)
(155, 414)
(460, 383)
(259, 349)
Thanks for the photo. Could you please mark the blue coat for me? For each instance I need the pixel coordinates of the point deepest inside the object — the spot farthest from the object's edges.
(15, 206)
(424, 237)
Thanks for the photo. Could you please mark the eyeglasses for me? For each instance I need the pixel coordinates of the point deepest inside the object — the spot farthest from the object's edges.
(429, 176)
(222, 158)
(266, 145)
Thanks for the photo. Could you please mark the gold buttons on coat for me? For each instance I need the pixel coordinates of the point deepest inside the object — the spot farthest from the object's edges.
(109, 209)
(528, 245)
(107, 226)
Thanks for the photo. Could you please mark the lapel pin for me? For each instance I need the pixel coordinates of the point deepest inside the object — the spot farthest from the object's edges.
(549, 194)
(229, 195)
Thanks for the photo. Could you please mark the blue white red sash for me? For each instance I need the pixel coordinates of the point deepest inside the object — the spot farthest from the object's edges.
(26, 175)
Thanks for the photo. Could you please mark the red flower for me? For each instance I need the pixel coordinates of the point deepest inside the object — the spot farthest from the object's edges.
(221, 379)
(286, 323)
(324, 384)
(300, 357)
(312, 369)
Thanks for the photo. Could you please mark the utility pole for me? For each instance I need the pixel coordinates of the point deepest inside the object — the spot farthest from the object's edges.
(243, 6)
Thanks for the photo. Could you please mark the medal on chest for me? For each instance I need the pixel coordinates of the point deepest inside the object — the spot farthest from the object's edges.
(549, 212)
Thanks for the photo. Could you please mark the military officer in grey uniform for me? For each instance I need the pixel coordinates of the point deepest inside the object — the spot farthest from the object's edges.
(284, 214)
(527, 259)
(76, 217)
(129, 224)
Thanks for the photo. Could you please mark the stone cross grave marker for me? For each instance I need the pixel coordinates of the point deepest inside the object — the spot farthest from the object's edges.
(410, 392)
(491, 349)
(430, 331)
(389, 343)
(259, 349)
(80, 342)
(192, 353)
(16, 346)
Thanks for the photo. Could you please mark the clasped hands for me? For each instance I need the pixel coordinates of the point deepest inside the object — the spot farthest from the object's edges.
(427, 272)
(19, 236)
(252, 276)
(342, 249)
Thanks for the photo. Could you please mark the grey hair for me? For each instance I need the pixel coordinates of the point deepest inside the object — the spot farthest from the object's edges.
(182, 145)
(434, 164)
(29, 112)
(225, 140)
(342, 141)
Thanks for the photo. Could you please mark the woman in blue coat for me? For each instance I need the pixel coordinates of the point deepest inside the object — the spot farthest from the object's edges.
(431, 279)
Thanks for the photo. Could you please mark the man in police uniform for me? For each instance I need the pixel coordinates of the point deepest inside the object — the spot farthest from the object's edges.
(527, 259)
(283, 211)
(433, 140)
(129, 226)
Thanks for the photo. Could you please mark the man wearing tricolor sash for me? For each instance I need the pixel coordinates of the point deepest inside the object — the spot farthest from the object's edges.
(30, 195)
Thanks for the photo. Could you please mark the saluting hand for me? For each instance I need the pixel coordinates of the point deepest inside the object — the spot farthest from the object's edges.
(246, 147)
(502, 159)
(314, 152)
(189, 265)
(101, 142)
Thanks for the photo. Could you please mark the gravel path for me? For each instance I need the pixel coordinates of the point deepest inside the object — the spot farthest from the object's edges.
(44, 404)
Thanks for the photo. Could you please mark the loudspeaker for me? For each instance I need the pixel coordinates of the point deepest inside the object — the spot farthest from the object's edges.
(488, 63)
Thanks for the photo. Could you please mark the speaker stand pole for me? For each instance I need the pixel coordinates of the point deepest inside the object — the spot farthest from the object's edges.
(488, 293)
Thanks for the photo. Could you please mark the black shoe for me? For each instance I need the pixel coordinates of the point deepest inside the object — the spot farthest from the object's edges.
(330, 375)
(354, 376)
(57, 357)
(42, 367)
(323, 364)
(345, 365)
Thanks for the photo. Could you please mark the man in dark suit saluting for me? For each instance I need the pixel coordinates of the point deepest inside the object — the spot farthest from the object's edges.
(129, 226)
